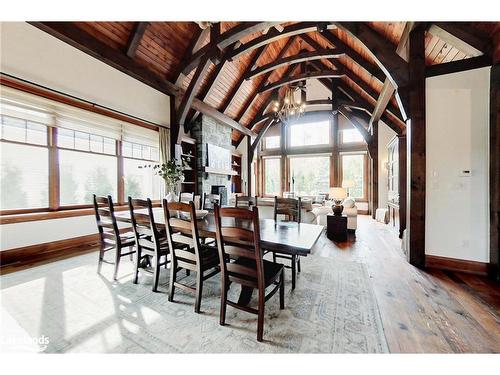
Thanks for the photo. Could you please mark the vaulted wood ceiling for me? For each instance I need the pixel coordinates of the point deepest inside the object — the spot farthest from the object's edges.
(167, 48)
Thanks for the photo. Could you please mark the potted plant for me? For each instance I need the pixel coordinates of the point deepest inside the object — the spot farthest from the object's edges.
(171, 172)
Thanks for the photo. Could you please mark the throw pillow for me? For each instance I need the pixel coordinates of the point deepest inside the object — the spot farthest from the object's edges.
(349, 203)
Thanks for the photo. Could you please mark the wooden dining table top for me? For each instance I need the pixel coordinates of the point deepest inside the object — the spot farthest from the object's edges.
(277, 236)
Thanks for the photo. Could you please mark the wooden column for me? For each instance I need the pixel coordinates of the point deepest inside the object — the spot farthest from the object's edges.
(402, 182)
(334, 159)
(415, 138)
(249, 165)
(373, 151)
(494, 267)
(174, 127)
(284, 177)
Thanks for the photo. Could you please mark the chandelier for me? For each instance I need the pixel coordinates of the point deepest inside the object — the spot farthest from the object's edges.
(290, 109)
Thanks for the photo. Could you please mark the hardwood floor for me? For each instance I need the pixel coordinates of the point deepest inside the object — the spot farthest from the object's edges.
(429, 311)
(422, 311)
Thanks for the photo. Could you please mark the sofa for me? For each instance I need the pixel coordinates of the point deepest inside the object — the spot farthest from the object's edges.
(266, 210)
(350, 209)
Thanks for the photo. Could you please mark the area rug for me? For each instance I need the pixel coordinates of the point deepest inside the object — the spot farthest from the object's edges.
(67, 307)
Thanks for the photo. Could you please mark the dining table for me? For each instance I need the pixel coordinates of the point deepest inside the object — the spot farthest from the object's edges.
(283, 237)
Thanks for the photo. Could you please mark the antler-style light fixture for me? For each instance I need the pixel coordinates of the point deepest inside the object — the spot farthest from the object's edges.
(290, 109)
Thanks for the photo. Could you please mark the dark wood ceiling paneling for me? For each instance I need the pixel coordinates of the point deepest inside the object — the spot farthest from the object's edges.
(164, 45)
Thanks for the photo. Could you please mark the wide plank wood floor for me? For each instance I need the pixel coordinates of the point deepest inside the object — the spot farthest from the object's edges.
(430, 311)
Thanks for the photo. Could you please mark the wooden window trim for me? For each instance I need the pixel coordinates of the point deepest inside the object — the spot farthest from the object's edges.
(364, 199)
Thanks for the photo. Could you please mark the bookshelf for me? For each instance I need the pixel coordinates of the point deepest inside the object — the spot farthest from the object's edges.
(236, 176)
(189, 155)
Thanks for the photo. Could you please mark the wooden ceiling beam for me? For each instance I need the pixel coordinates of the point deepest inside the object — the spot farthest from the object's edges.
(274, 35)
(194, 45)
(135, 38)
(255, 92)
(357, 125)
(295, 59)
(187, 99)
(388, 88)
(458, 66)
(460, 36)
(303, 76)
(380, 49)
(231, 36)
(76, 37)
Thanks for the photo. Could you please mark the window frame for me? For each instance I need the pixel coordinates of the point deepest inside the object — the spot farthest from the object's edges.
(347, 144)
(280, 179)
(55, 209)
(310, 155)
(310, 118)
(365, 172)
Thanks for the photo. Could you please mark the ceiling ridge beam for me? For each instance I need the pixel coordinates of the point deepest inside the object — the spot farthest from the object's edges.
(135, 38)
(325, 53)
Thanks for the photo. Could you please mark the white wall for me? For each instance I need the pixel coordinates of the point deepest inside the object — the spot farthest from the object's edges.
(457, 208)
(31, 54)
(385, 134)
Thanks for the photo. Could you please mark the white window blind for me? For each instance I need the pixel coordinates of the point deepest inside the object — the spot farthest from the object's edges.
(23, 105)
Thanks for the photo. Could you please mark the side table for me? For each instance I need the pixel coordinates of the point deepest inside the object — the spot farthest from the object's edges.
(336, 227)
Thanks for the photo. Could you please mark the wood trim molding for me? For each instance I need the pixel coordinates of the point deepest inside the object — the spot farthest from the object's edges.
(457, 265)
(28, 256)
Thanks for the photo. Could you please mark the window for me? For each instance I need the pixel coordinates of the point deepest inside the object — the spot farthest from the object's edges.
(353, 169)
(140, 181)
(272, 142)
(310, 133)
(310, 175)
(351, 136)
(24, 166)
(272, 176)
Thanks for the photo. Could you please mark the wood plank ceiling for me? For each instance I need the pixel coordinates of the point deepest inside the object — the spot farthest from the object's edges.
(164, 47)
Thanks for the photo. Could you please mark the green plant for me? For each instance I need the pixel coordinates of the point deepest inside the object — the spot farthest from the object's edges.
(170, 171)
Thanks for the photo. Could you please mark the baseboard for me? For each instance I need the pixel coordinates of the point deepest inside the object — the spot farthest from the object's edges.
(29, 256)
(458, 265)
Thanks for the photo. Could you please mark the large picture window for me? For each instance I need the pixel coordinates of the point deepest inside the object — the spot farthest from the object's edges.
(353, 169)
(272, 176)
(310, 132)
(351, 136)
(310, 175)
(140, 178)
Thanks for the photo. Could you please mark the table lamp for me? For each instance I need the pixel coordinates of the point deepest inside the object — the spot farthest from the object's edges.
(348, 184)
(337, 194)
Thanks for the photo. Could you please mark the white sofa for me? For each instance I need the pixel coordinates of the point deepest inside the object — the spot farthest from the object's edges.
(350, 210)
(266, 211)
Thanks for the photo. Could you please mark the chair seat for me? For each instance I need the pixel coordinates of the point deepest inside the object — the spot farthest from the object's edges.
(272, 270)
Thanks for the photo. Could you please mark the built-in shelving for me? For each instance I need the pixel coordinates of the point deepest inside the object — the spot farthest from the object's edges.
(188, 154)
(236, 176)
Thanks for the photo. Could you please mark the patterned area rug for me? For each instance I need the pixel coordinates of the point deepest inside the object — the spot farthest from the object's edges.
(332, 310)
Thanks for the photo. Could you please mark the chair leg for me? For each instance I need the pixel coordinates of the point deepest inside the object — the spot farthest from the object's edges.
(298, 263)
(156, 273)
(131, 249)
(136, 266)
(188, 272)
(101, 257)
(260, 321)
(223, 303)
(118, 255)
(199, 291)
(282, 290)
(274, 257)
(294, 271)
(173, 277)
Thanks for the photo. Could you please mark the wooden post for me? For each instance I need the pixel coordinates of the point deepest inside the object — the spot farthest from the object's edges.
(174, 127)
(494, 267)
(402, 182)
(334, 160)
(284, 177)
(415, 138)
(373, 150)
(249, 165)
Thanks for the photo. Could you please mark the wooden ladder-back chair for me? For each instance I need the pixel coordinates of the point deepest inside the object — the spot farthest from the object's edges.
(109, 234)
(186, 197)
(152, 244)
(180, 218)
(209, 201)
(291, 208)
(245, 201)
(242, 261)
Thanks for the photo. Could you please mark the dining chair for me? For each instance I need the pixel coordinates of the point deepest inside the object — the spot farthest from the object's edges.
(291, 209)
(186, 197)
(152, 244)
(109, 234)
(180, 218)
(242, 262)
(209, 200)
(245, 201)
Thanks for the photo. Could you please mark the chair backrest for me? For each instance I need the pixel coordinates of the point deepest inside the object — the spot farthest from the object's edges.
(106, 221)
(186, 197)
(238, 236)
(146, 233)
(209, 200)
(290, 207)
(181, 218)
(245, 201)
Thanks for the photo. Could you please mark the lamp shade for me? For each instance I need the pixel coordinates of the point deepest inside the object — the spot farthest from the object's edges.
(338, 193)
(348, 184)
